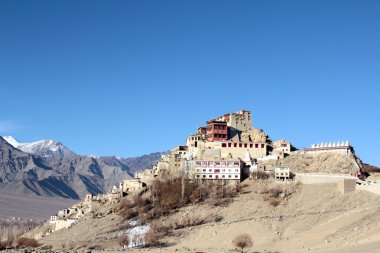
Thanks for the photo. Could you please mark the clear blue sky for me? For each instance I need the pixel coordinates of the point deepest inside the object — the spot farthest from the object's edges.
(132, 77)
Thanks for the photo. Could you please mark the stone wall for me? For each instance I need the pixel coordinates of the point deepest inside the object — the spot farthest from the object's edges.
(321, 178)
(346, 185)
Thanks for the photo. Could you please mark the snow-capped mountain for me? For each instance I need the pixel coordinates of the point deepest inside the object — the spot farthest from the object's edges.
(48, 168)
(44, 148)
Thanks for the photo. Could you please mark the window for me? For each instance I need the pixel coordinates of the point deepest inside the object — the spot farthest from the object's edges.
(236, 170)
(251, 145)
(210, 176)
(217, 171)
(197, 176)
(229, 145)
(223, 176)
(210, 170)
(224, 145)
(240, 145)
(262, 145)
(256, 145)
(236, 176)
(229, 176)
(204, 176)
(235, 145)
(217, 163)
(204, 170)
(245, 145)
(236, 163)
(216, 176)
(223, 170)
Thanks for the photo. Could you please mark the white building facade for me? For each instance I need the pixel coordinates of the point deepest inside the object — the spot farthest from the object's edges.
(216, 170)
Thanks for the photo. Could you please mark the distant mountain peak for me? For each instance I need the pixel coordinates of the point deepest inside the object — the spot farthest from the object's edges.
(44, 148)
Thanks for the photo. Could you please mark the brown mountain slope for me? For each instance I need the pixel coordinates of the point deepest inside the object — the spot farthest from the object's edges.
(71, 176)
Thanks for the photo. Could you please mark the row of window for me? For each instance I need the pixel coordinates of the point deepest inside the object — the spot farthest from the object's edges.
(218, 170)
(220, 127)
(197, 138)
(218, 176)
(241, 145)
(217, 163)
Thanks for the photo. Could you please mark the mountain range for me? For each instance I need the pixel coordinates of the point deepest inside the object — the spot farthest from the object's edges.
(48, 168)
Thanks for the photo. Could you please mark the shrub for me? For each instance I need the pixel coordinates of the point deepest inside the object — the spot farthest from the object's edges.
(26, 242)
(123, 241)
(2, 245)
(274, 201)
(151, 238)
(275, 192)
(218, 218)
(260, 175)
(128, 213)
(6, 244)
(242, 241)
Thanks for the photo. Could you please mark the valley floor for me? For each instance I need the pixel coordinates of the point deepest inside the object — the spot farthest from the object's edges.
(36, 208)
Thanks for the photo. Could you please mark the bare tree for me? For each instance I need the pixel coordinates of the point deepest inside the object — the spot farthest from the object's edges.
(242, 241)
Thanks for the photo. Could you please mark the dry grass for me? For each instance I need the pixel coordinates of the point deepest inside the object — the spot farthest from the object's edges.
(276, 194)
(10, 230)
(261, 175)
(123, 241)
(6, 244)
(151, 238)
(23, 242)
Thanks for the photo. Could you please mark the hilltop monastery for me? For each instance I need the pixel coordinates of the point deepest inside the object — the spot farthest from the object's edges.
(228, 149)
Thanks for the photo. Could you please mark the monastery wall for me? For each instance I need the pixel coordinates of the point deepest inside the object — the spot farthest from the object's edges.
(321, 178)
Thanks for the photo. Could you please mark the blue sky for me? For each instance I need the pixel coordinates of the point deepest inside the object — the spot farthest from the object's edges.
(128, 78)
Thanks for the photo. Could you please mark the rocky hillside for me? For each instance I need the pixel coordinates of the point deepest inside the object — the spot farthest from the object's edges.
(328, 163)
(134, 164)
(68, 176)
(331, 222)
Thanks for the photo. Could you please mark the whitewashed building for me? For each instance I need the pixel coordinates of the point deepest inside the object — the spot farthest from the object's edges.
(282, 173)
(332, 147)
(217, 169)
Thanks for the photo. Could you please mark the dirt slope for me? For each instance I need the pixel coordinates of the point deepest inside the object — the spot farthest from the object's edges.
(320, 163)
(316, 218)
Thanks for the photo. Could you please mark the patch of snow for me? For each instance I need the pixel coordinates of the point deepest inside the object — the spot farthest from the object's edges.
(37, 147)
(93, 156)
(136, 236)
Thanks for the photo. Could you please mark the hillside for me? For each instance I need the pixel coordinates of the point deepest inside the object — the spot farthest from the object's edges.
(70, 176)
(140, 163)
(328, 163)
(331, 222)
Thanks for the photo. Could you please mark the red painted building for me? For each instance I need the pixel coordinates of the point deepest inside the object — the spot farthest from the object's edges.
(216, 130)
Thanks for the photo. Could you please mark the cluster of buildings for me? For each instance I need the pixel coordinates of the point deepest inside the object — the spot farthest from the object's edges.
(226, 148)
(66, 217)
